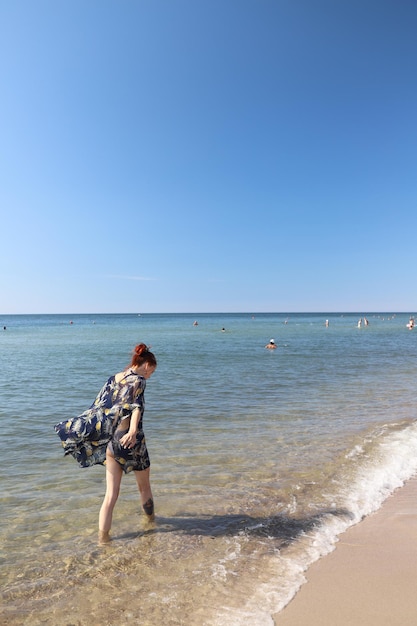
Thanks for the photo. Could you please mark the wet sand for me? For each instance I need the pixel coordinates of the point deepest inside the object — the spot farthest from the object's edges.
(370, 579)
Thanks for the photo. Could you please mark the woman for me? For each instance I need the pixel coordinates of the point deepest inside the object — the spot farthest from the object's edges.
(110, 432)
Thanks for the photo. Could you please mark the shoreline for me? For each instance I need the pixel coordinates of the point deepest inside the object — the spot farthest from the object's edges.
(369, 578)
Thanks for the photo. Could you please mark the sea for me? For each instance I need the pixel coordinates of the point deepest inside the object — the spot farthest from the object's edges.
(260, 460)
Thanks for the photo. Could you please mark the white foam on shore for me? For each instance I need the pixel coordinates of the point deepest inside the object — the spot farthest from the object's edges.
(392, 462)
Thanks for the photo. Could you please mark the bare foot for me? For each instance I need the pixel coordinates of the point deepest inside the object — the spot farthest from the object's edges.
(103, 537)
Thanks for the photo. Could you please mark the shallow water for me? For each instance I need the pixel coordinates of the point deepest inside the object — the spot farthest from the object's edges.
(259, 460)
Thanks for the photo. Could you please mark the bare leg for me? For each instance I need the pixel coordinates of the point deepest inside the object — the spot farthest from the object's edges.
(146, 497)
(113, 479)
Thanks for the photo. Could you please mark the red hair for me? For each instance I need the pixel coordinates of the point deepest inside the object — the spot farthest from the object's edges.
(141, 355)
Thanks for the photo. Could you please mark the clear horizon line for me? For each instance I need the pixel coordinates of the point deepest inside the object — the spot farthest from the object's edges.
(323, 312)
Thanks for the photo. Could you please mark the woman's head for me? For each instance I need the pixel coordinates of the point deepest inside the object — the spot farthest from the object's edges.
(143, 356)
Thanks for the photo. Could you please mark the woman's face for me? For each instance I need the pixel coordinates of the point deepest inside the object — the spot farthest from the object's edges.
(148, 370)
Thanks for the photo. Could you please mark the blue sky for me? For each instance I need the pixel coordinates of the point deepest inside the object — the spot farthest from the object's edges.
(217, 155)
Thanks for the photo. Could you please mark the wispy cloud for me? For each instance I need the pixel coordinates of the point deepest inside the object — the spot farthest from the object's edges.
(120, 277)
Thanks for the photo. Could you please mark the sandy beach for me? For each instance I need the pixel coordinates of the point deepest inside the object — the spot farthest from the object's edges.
(370, 578)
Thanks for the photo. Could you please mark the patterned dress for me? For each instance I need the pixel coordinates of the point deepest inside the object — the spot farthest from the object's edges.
(87, 436)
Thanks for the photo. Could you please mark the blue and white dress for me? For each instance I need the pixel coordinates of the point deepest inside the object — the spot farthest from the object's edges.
(87, 436)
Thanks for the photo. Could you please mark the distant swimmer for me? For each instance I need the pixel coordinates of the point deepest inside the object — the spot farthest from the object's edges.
(365, 321)
(360, 323)
(195, 323)
(410, 324)
(223, 330)
(271, 345)
(326, 323)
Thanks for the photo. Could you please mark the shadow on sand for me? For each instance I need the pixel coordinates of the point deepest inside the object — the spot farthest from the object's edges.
(281, 527)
